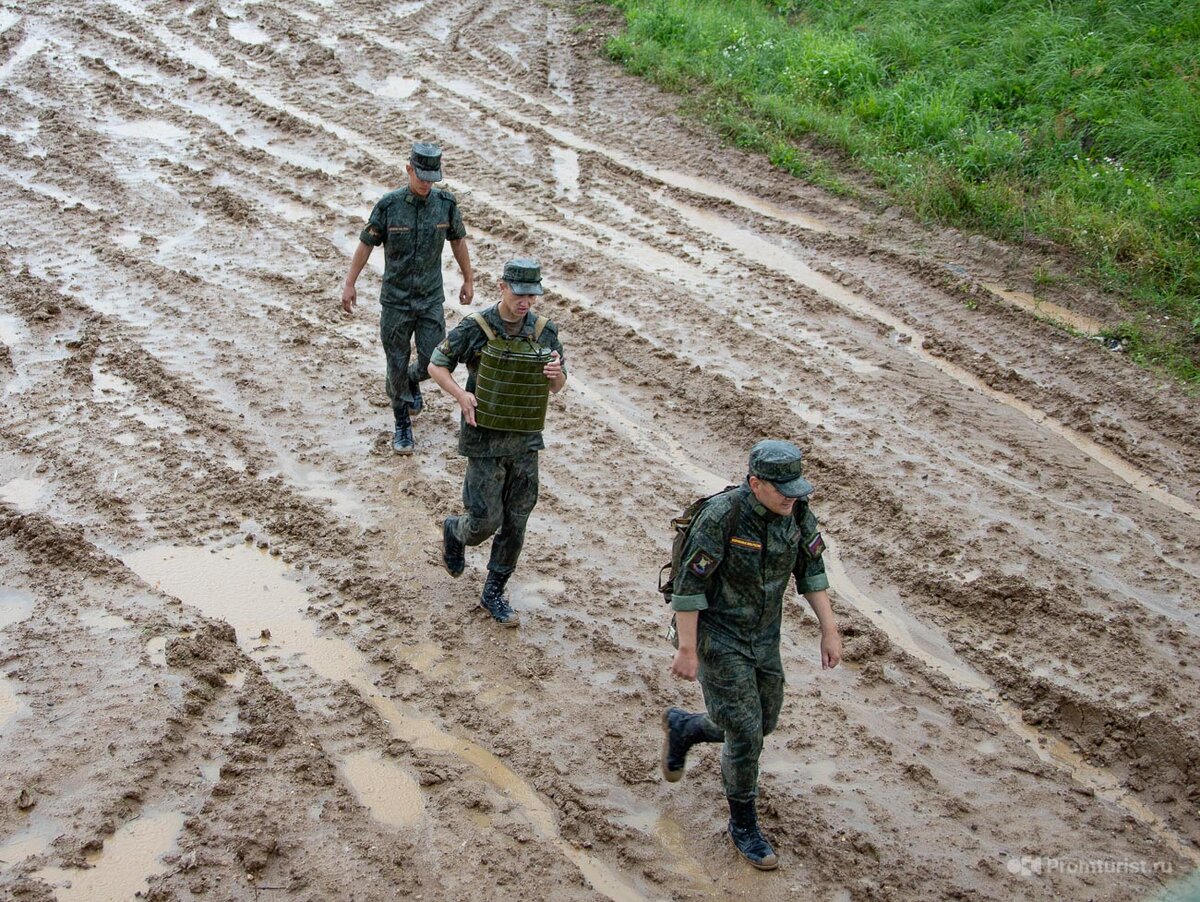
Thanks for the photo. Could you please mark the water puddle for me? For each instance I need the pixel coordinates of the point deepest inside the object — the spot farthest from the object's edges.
(397, 87)
(680, 843)
(150, 129)
(29, 842)
(156, 651)
(15, 606)
(764, 252)
(121, 869)
(23, 494)
(248, 33)
(1051, 311)
(253, 591)
(384, 787)
(102, 620)
(11, 705)
(566, 171)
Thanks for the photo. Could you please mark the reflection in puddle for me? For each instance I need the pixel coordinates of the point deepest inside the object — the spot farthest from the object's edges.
(253, 591)
(23, 494)
(384, 787)
(120, 870)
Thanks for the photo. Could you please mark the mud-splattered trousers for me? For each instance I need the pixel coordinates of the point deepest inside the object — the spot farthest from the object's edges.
(413, 230)
(501, 485)
(738, 589)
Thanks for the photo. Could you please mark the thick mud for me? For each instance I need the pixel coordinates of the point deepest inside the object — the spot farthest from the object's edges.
(230, 666)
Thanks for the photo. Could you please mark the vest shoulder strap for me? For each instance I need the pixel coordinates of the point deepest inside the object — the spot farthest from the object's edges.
(538, 325)
(483, 324)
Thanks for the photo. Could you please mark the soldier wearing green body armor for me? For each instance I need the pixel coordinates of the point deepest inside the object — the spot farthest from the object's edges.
(742, 550)
(514, 360)
(413, 223)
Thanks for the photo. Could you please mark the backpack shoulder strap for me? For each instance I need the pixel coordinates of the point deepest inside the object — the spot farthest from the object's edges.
(538, 325)
(735, 514)
(483, 324)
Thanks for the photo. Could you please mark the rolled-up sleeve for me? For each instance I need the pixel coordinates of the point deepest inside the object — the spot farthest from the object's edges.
(702, 554)
(375, 231)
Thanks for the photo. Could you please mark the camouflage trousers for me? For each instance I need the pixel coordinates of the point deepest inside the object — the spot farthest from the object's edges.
(499, 494)
(743, 697)
(397, 328)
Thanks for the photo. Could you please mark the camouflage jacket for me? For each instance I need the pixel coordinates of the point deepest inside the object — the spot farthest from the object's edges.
(739, 588)
(465, 344)
(413, 231)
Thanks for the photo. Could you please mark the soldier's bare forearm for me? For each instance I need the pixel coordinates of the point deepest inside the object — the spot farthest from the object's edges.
(361, 254)
(686, 623)
(462, 257)
(819, 602)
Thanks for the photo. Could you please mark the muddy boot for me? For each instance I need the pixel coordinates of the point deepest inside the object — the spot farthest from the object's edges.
(402, 438)
(452, 550)
(681, 731)
(747, 838)
(494, 601)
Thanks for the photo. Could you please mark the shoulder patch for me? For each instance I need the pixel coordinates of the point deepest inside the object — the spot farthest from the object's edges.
(814, 546)
(701, 563)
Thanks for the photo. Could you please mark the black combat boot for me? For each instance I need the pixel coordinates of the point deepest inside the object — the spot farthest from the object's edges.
(747, 838)
(418, 401)
(402, 438)
(494, 601)
(452, 550)
(681, 731)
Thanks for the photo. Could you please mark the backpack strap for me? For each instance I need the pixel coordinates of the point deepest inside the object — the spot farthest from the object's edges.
(482, 324)
(538, 325)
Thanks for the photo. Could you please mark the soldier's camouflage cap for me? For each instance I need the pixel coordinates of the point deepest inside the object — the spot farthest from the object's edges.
(779, 463)
(426, 159)
(523, 276)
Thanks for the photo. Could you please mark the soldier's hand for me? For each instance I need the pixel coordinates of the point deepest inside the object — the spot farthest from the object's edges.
(467, 404)
(553, 369)
(466, 294)
(831, 650)
(685, 664)
(349, 298)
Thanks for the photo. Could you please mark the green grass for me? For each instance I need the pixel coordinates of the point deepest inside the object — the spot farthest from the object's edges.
(1076, 121)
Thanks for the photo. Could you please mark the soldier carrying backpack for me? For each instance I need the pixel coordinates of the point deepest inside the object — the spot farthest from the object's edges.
(733, 561)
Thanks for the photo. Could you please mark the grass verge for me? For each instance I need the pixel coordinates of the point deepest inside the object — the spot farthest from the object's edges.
(1077, 121)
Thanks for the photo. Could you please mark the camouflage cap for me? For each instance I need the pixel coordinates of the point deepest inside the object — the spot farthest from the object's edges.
(426, 159)
(523, 276)
(779, 463)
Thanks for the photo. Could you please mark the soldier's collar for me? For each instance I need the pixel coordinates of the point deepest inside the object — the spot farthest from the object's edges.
(411, 197)
(755, 506)
(494, 310)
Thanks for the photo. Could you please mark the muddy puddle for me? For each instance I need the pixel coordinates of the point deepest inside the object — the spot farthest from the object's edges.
(23, 494)
(119, 871)
(384, 788)
(255, 592)
(1048, 310)
(33, 840)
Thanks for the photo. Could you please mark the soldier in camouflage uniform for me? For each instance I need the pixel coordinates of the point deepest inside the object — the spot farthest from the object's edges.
(413, 223)
(501, 485)
(743, 548)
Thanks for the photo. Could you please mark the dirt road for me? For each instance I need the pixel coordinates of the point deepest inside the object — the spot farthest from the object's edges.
(229, 665)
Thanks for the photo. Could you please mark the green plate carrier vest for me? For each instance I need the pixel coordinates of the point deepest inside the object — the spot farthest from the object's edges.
(511, 390)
